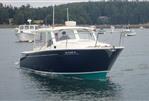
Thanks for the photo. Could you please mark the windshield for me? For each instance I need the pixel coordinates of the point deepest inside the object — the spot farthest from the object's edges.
(85, 34)
(64, 34)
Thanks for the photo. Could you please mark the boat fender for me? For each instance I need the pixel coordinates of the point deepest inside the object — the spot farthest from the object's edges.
(54, 47)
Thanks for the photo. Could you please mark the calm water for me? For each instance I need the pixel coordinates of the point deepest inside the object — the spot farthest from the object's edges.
(129, 77)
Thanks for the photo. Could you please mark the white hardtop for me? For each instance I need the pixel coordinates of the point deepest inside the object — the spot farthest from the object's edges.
(29, 25)
(63, 27)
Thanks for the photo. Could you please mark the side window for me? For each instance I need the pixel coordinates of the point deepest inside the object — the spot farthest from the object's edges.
(40, 39)
(43, 39)
(50, 41)
(26, 27)
(21, 27)
(32, 27)
(36, 27)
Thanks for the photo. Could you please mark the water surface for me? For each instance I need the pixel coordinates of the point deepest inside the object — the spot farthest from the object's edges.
(129, 77)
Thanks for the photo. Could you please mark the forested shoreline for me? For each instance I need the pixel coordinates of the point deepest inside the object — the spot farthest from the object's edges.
(87, 13)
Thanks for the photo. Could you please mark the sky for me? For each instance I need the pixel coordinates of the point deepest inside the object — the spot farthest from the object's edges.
(44, 3)
(40, 3)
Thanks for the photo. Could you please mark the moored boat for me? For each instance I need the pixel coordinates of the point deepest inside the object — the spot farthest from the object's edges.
(70, 51)
(24, 33)
(101, 31)
(129, 32)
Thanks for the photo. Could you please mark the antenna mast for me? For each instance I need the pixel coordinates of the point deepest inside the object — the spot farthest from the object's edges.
(67, 14)
(53, 14)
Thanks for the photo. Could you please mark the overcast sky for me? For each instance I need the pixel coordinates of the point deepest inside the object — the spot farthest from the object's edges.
(40, 3)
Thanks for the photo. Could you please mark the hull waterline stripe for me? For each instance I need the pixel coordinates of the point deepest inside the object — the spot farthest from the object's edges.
(63, 73)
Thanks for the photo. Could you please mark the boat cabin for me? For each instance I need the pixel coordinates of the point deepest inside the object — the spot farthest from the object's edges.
(64, 37)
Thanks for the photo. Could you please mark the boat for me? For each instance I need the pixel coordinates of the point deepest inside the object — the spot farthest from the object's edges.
(128, 32)
(112, 28)
(141, 27)
(24, 33)
(70, 51)
(101, 31)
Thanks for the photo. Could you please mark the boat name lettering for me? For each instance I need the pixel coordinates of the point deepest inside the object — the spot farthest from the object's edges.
(71, 53)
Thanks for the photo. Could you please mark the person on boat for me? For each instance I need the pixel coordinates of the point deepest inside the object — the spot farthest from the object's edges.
(64, 36)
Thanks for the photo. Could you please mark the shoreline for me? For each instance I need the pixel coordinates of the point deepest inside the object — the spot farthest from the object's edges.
(124, 26)
(7, 26)
(97, 26)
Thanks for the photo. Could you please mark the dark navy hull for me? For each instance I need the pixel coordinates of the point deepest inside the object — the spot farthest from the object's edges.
(70, 61)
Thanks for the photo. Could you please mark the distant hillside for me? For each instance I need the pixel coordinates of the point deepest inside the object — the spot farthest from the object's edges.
(83, 13)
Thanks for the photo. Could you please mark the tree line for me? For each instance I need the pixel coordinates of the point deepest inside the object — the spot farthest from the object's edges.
(83, 13)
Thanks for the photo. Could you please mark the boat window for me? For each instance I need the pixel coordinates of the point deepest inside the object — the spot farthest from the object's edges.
(43, 38)
(85, 34)
(49, 39)
(31, 27)
(36, 27)
(26, 27)
(64, 34)
(40, 39)
(21, 27)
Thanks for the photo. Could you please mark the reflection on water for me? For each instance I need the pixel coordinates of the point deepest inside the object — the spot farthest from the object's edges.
(72, 89)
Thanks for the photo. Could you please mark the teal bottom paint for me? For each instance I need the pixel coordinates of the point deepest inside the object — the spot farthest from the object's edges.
(89, 76)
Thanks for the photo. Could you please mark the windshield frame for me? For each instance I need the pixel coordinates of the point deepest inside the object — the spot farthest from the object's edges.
(89, 34)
